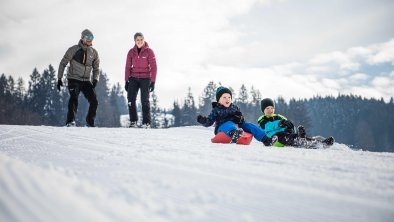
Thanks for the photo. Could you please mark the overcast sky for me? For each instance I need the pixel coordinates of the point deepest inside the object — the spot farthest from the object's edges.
(283, 48)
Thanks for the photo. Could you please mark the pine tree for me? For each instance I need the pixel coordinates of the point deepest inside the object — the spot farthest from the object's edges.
(177, 113)
(105, 110)
(155, 111)
(121, 100)
(242, 102)
(54, 106)
(20, 91)
(35, 99)
(207, 98)
(3, 99)
(166, 121)
(189, 110)
(114, 118)
(255, 107)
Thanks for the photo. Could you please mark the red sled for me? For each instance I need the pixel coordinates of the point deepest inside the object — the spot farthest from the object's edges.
(221, 137)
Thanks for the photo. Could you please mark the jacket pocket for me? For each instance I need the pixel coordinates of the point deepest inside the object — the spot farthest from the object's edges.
(88, 69)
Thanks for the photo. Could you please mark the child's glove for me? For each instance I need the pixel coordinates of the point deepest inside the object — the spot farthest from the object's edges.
(238, 118)
(286, 123)
(267, 141)
(202, 119)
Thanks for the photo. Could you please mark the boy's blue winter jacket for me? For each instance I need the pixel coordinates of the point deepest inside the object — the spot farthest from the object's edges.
(270, 124)
(221, 114)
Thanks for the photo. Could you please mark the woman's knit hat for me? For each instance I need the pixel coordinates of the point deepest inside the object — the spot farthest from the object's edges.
(221, 90)
(266, 102)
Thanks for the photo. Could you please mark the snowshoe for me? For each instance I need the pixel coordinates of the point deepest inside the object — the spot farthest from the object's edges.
(133, 125)
(146, 126)
(71, 124)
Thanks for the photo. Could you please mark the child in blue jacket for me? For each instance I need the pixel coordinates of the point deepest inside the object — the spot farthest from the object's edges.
(282, 130)
(229, 119)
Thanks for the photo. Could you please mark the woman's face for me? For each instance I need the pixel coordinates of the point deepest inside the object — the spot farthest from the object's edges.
(139, 41)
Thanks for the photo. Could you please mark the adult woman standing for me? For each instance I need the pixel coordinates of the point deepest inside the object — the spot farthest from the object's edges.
(140, 74)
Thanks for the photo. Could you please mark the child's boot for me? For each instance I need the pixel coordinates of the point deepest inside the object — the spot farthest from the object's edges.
(301, 131)
(269, 141)
(329, 141)
(235, 135)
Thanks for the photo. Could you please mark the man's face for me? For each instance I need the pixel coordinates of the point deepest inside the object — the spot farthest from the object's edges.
(88, 39)
(139, 41)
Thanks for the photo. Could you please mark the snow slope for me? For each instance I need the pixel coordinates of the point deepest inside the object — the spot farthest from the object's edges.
(118, 174)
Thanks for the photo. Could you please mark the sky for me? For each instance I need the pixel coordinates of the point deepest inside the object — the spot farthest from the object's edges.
(292, 49)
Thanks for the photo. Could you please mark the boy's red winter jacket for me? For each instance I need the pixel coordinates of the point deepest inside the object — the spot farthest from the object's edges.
(141, 65)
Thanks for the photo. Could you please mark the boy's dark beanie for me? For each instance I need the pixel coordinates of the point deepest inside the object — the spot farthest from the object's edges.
(221, 90)
(266, 102)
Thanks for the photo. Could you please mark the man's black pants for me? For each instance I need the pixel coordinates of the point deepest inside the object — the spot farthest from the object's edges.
(86, 87)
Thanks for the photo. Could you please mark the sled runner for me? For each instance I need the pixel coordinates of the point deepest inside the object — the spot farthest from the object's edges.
(221, 137)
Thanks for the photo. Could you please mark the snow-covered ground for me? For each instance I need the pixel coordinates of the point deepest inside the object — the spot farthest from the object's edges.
(118, 174)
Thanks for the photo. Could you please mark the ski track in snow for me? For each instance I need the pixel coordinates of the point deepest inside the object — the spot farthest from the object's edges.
(176, 174)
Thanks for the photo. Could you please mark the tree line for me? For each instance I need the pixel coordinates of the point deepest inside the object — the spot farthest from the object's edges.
(353, 120)
(42, 104)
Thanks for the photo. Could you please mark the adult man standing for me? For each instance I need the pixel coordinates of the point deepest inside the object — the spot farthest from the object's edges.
(83, 58)
(140, 74)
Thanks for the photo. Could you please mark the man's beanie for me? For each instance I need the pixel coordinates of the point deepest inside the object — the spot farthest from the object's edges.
(266, 102)
(221, 90)
(86, 32)
(138, 34)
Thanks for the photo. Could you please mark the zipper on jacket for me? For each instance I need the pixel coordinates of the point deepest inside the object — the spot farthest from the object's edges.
(84, 61)
(84, 58)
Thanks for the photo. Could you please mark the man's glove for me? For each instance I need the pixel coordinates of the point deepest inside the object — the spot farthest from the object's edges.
(94, 84)
(286, 123)
(126, 86)
(151, 86)
(202, 119)
(59, 84)
(238, 118)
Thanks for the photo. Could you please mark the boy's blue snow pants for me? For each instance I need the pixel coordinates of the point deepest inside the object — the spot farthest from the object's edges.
(249, 127)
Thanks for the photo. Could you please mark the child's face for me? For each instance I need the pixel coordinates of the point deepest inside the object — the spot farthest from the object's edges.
(269, 110)
(225, 100)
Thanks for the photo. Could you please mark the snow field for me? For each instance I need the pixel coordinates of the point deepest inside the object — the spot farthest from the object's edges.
(176, 174)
